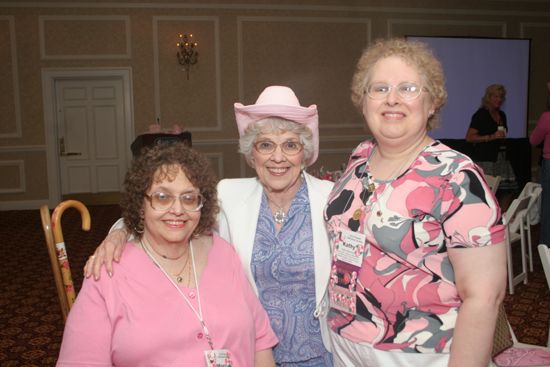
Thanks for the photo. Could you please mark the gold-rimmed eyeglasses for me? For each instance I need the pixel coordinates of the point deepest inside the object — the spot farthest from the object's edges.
(405, 90)
(289, 147)
(162, 201)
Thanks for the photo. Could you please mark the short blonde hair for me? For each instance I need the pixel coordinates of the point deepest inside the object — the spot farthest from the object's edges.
(414, 53)
(491, 90)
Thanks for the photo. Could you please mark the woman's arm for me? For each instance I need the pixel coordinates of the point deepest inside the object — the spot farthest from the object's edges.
(264, 358)
(480, 276)
(108, 251)
(541, 129)
(87, 337)
(473, 136)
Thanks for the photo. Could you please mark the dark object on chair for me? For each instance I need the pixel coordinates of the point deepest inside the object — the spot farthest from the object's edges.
(145, 140)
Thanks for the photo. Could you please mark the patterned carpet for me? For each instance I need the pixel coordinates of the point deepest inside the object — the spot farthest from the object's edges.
(31, 326)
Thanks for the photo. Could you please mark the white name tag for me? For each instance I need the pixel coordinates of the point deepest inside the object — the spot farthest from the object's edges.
(217, 358)
(351, 249)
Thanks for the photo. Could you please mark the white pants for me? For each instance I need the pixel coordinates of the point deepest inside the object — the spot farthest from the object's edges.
(346, 353)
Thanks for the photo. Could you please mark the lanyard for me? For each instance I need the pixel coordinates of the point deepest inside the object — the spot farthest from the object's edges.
(197, 313)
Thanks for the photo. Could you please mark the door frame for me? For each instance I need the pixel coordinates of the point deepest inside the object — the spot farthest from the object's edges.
(49, 78)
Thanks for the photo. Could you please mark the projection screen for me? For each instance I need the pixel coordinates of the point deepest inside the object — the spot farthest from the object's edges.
(470, 65)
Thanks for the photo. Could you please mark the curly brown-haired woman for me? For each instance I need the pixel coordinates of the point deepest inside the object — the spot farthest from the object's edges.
(179, 295)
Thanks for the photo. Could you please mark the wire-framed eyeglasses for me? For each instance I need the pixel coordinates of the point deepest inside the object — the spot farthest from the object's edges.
(289, 147)
(405, 90)
(162, 201)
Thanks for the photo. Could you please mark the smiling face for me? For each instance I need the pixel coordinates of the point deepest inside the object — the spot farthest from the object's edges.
(496, 100)
(392, 119)
(277, 171)
(175, 225)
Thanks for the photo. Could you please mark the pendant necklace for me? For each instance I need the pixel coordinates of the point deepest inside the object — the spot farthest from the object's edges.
(279, 216)
(165, 256)
(179, 278)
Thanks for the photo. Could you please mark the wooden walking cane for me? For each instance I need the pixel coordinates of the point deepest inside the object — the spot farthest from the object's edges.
(61, 250)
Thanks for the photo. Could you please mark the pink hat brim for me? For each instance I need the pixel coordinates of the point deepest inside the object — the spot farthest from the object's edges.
(245, 115)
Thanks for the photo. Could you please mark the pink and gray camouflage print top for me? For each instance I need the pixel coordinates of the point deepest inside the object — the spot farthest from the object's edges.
(407, 300)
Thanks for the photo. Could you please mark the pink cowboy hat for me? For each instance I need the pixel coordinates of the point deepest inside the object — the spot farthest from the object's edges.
(278, 101)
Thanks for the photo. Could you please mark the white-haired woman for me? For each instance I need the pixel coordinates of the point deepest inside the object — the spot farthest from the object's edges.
(275, 221)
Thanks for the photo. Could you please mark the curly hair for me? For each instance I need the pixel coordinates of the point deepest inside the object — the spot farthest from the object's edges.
(416, 54)
(275, 125)
(162, 162)
(493, 90)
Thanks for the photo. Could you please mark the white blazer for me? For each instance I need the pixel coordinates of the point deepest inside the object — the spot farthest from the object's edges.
(240, 201)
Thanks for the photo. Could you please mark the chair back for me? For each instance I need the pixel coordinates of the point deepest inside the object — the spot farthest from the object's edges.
(57, 250)
(493, 182)
(544, 253)
(533, 190)
(514, 215)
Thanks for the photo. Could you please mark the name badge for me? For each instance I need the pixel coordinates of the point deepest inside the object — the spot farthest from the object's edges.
(217, 358)
(351, 248)
(343, 299)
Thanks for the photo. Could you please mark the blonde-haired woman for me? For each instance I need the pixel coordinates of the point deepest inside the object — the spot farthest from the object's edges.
(487, 129)
(419, 262)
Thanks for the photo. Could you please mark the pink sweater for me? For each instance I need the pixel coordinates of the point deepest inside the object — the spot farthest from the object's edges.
(542, 133)
(137, 317)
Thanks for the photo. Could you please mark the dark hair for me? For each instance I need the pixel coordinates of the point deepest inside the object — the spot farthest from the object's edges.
(160, 162)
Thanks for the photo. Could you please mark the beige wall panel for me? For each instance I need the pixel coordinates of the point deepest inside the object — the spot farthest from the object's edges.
(13, 176)
(539, 33)
(142, 72)
(333, 155)
(459, 28)
(35, 175)
(191, 103)
(89, 37)
(10, 123)
(224, 158)
(314, 56)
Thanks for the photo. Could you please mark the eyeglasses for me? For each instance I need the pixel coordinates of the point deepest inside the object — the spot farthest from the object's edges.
(161, 201)
(406, 90)
(288, 147)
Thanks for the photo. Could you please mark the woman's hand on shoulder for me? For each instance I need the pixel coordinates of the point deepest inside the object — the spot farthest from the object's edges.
(108, 251)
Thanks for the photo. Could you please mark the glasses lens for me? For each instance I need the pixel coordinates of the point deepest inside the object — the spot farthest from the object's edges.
(191, 202)
(292, 147)
(408, 90)
(378, 90)
(162, 201)
(265, 146)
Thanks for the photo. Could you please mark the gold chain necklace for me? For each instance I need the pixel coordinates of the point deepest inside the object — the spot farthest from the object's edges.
(165, 256)
(179, 278)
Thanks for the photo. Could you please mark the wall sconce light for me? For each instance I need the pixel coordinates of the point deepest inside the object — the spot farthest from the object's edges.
(187, 54)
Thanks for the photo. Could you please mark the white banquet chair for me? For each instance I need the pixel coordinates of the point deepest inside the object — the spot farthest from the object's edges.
(514, 220)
